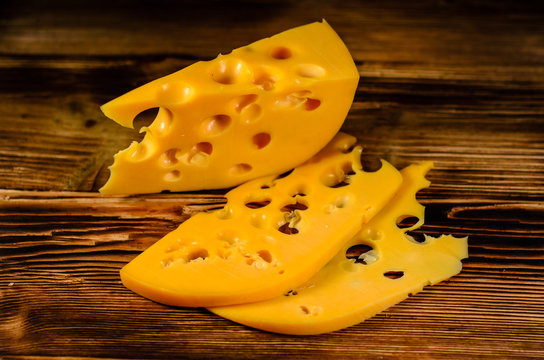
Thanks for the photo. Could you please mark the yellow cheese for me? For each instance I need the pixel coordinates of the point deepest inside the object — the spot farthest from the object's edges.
(261, 109)
(272, 235)
(346, 292)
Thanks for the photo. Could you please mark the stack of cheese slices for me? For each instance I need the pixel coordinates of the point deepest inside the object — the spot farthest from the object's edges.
(313, 250)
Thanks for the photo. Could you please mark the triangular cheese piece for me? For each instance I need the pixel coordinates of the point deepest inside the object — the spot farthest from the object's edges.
(348, 291)
(262, 109)
(272, 235)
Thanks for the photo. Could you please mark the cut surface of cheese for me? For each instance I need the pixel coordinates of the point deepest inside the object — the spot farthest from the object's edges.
(273, 234)
(346, 291)
(262, 109)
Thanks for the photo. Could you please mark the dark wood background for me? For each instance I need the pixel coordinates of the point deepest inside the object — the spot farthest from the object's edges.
(457, 82)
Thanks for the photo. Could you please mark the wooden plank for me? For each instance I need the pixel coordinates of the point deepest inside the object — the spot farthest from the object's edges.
(421, 82)
(431, 32)
(61, 293)
(65, 143)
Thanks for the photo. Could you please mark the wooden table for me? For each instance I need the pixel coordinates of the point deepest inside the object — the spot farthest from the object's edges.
(457, 82)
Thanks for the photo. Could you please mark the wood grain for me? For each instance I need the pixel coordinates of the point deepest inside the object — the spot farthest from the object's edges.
(62, 251)
(457, 82)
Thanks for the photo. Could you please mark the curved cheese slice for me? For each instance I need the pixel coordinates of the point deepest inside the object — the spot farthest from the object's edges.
(272, 235)
(346, 292)
(262, 109)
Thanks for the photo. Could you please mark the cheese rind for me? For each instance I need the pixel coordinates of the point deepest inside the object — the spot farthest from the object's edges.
(258, 247)
(344, 293)
(262, 109)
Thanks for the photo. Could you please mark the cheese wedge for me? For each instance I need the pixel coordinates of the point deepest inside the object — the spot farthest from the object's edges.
(272, 235)
(261, 109)
(346, 292)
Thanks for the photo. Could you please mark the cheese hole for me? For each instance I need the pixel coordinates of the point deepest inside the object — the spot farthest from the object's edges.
(265, 255)
(394, 274)
(240, 169)
(229, 237)
(346, 146)
(261, 140)
(406, 221)
(300, 192)
(293, 99)
(357, 250)
(215, 125)
(230, 71)
(340, 184)
(334, 179)
(291, 293)
(197, 254)
(285, 174)
(264, 81)
(265, 186)
(287, 230)
(167, 262)
(370, 163)
(281, 53)
(314, 311)
(310, 71)
(347, 168)
(243, 101)
(204, 147)
(296, 206)
(338, 177)
(199, 154)
(362, 253)
(251, 113)
(311, 104)
(342, 201)
(145, 118)
(162, 122)
(173, 175)
(258, 204)
(344, 176)
(169, 157)
(417, 238)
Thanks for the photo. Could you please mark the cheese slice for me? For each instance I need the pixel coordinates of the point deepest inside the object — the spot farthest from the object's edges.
(262, 109)
(272, 235)
(346, 292)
